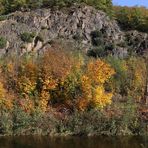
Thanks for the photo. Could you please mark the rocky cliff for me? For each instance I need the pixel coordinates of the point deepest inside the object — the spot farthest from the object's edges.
(75, 24)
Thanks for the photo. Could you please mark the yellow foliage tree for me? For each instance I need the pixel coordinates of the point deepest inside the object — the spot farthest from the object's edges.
(92, 85)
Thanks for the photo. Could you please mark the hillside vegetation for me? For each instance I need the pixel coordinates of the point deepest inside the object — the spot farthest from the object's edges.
(131, 18)
(63, 90)
(13, 5)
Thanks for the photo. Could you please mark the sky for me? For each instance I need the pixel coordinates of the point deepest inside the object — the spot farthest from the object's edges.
(131, 2)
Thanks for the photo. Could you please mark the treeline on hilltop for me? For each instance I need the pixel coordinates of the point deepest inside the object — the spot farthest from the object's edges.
(7, 6)
(131, 18)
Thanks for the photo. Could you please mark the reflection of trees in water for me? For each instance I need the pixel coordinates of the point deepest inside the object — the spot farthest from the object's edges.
(73, 142)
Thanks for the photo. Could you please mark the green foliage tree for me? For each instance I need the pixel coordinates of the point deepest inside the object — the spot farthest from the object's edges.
(130, 77)
(132, 17)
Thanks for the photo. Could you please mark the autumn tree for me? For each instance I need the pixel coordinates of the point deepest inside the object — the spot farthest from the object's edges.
(130, 77)
(93, 90)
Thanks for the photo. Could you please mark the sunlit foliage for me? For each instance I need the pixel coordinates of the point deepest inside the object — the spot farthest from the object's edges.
(130, 78)
(132, 17)
(58, 77)
(97, 73)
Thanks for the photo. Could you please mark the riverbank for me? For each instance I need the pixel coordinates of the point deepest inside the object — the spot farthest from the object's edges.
(58, 124)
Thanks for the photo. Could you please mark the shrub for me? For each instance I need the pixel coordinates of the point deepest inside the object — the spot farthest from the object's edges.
(96, 38)
(27, 37)
(6, 123)
(97, 52)
(101, 48)
(3, 42)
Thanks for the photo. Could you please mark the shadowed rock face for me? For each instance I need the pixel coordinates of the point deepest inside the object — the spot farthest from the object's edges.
(75, 23)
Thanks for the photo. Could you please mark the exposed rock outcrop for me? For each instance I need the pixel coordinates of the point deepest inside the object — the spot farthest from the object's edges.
(75, 23)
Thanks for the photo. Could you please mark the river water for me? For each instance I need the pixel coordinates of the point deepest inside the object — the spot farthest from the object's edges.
(73, 142)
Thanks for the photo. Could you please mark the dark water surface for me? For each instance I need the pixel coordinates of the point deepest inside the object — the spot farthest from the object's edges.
(73, 142)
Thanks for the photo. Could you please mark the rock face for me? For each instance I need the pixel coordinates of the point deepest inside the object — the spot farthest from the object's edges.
(75, 23)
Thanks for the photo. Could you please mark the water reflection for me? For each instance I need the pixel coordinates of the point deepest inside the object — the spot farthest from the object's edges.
(73, 142)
